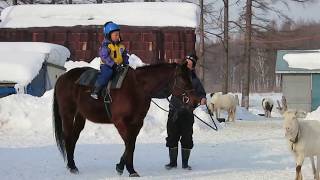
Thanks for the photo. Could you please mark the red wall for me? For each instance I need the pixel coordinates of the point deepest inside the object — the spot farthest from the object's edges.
(151, 44)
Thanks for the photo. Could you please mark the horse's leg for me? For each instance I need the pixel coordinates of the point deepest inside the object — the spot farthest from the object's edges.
(130, 146)
(121, 127)
(72, 128)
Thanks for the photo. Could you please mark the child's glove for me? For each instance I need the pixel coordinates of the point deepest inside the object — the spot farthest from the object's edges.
(117, 68)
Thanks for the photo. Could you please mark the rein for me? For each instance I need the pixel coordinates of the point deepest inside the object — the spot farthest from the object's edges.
(215, 126)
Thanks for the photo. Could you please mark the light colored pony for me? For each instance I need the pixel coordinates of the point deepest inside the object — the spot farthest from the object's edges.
(225, 102)
(267, 105)
(304, 141)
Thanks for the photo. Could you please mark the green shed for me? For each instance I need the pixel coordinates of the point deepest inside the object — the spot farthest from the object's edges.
(299, 71)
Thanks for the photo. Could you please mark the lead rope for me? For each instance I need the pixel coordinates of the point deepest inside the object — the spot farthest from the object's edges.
(215, 125)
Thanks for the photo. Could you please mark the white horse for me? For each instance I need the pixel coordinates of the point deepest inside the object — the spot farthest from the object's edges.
(267, 105)
(225, 102)
(303, 139)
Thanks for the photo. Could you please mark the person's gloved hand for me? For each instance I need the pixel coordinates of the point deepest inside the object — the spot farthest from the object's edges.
(203, 101)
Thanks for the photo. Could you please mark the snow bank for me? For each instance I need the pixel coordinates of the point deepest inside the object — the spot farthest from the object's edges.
(95, 63)
(57, 54)
(132, 14)
(256, 100)
(314, 115)
(20, 67)
(134, 62)
(23, 111)
(303, 60)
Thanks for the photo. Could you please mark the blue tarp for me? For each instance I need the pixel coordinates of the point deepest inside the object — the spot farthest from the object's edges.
(5, 91)
(37, 87)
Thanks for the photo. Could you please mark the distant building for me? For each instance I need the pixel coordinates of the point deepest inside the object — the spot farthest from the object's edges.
(299, 71)
(156, 32)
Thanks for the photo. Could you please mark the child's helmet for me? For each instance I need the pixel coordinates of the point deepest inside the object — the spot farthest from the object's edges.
(110, 27)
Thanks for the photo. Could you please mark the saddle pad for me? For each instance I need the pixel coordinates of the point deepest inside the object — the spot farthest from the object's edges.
(89, 76)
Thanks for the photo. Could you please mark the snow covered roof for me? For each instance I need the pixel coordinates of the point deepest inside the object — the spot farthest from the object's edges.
(20, 62)
(298, 61)
(173, 14)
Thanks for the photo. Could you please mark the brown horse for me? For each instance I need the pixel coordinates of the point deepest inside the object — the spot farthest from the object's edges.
(72, 105)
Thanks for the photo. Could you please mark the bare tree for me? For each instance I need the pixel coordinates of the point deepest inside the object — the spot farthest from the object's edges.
(250, 27)
(260, 66)
(201, 48)
(226, 45)
(247, 56)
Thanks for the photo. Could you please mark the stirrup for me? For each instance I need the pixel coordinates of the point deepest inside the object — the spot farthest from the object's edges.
(107, 98)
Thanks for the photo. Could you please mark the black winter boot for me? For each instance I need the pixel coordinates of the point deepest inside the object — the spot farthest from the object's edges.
(173, 154)
(185, 154)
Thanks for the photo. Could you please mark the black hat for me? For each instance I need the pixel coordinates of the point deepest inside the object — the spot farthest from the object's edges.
(193, 57)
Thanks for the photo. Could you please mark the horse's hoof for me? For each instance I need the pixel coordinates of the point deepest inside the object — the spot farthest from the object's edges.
(119, 170)
(134, 175)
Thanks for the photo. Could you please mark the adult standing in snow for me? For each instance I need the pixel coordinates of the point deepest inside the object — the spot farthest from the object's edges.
(180, 121)
(113, 55)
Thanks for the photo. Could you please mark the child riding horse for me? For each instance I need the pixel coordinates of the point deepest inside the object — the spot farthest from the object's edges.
(72, 105)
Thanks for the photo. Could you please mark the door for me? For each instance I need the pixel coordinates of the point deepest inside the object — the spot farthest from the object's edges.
(297, 90)
(315, 91)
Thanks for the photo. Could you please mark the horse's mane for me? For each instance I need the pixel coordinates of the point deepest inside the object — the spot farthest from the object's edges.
(154, 66)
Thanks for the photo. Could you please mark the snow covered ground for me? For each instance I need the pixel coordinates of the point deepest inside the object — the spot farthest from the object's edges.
(253, 148)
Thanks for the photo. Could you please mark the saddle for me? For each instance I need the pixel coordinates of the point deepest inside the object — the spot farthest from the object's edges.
(89, 76)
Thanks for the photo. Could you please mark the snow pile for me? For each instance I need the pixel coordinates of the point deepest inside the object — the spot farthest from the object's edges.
(314, 115)
(20, 67)
(23, 111)
(133, 14)
(134, 62)
(20, 62)
(56, 54)
(256, 100)
(95, 63)
(309, 61)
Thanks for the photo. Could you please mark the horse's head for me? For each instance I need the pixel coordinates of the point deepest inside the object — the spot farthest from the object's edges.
(291, 124)
(182, 86)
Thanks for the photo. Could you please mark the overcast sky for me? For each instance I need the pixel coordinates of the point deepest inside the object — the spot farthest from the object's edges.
(307, 12)
(296, 11)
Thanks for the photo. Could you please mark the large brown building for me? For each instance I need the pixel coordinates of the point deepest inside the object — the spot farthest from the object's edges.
(160, 32)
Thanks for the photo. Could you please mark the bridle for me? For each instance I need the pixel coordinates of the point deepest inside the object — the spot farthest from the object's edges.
(185, 95)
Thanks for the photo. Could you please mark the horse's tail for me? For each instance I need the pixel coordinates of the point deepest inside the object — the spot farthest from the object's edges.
(57, 126)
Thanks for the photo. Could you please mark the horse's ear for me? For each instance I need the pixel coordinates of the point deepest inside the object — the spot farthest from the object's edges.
(184, 66)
